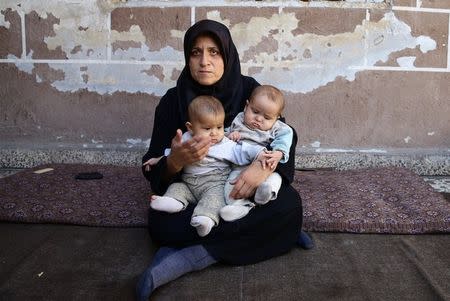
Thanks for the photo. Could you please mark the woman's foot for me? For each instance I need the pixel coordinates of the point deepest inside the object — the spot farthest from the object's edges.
(305, 241)
(166, 204)
(168, 264)
(145, 285)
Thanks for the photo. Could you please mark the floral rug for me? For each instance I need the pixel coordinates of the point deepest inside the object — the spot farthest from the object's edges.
(119, 199)
(376, 200)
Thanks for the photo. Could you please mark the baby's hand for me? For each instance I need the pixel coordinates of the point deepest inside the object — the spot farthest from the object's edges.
(149, 163)
(274, 158)
(270, 159)
(235, 136)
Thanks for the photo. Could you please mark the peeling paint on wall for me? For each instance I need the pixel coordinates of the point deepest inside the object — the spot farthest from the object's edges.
(134, 34)
(329, 56)
(356, 77)
(315, 144)
(106, 79)
(145, 54)
(80, 23)
(3, 22)
(299, 63)
(406, 61)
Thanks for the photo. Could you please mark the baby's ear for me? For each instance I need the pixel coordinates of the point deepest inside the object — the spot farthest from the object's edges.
(189, 126)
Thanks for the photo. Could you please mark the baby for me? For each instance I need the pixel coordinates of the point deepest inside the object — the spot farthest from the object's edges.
(203, 182)
(259, 124)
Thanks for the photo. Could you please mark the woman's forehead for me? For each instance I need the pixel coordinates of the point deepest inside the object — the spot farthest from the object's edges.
(205, 40)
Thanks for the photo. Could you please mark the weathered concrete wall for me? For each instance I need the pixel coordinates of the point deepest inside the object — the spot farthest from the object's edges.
(367, 77)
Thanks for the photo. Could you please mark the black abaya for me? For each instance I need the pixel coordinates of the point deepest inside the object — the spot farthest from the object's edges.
(268, 230)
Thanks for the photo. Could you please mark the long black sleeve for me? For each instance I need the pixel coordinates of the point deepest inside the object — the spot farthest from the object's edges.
(165, 125)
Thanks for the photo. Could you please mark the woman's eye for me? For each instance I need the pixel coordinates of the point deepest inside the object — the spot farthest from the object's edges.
(214, 52)
(195, 52)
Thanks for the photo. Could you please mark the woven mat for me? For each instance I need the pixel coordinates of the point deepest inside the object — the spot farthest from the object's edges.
(382, 200)
(376, 200)
(119, 199)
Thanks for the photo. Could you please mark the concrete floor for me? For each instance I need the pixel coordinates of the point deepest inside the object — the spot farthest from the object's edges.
(342, 266)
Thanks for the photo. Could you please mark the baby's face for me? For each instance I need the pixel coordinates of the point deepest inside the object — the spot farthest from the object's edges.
(209, 125)
(261, 113)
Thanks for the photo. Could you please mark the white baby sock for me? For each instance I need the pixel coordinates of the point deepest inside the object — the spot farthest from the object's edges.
(234, 212)
(203, 224)
(166, 204)
(263, 193)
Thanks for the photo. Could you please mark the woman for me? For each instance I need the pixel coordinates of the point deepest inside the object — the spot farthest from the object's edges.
(212, 68)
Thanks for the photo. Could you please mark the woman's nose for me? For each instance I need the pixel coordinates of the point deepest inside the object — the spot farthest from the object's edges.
(204, 59)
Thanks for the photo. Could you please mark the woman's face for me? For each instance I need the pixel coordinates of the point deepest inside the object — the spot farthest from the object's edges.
(205, 61)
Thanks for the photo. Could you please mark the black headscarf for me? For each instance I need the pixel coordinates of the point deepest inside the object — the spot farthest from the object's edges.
(229, 89)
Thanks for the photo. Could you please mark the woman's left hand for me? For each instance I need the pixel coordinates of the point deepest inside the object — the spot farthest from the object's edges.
(246, 183)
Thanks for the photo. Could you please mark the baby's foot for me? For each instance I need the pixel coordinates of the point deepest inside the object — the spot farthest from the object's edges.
(231, 213)
(263, 194)
(166, 204)
(203, 224)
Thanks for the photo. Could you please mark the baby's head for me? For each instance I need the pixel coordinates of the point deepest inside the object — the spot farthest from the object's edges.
(206, 117)
(263, 108)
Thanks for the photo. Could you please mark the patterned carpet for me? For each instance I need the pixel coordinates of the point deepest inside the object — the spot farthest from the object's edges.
(377, 200)
(118, 199)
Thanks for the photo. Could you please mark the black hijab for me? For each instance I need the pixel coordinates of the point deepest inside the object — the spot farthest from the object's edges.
(229, 89)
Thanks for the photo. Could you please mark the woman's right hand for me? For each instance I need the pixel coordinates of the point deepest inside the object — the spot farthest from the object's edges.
(187, 152)
(248, 180)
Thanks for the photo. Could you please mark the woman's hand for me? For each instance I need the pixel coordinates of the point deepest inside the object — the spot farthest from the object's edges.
(246, 183)
(187, 152)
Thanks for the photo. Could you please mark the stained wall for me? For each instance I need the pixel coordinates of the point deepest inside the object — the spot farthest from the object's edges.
(367, 76)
